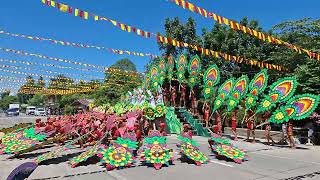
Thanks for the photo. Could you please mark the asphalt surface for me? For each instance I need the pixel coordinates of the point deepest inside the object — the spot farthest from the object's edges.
(22, 118)
(265, 162)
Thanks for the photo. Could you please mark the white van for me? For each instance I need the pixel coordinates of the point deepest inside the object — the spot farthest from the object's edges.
(31, 110)
(40, 112)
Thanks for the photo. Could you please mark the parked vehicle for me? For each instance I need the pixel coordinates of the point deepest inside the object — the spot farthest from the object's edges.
(12, 112)
(12, 106)
(31, 110)
(40, 112)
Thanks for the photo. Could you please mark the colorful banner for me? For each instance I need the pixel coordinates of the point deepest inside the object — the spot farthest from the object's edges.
(217, 54)
(79, 45)
(236, 26)
(86, 15)
(68, 61)
(124, 27)
(49, 71)
(14, 61)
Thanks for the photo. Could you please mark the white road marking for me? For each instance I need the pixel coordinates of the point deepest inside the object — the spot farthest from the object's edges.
(224, 164)
(281, 157)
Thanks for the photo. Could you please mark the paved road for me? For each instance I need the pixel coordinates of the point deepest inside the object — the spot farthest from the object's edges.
(22, 118)
(265, 163)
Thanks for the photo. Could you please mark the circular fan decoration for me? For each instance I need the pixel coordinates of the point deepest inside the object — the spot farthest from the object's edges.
(116, 157)
(147, 80)
(255, 92)
(266, 104)
(9, 138)
(259, 81)
(241, 85)
(305, 104)
(160, 110)
(150, 113)
(16, 146)
(154, 150)
(180, 76)
(31, 134)
(218, 102)
(192, 81)
(182, 62)
(207, 92)
(232, 103)
(211, 76)
(226, 87)
(157, 156)
(162, 66)
(236, 154)
(194, 66)
(251, 101)
(285, 87)
(154, 73)
(194, 154)
(84, 156)
(279, 116)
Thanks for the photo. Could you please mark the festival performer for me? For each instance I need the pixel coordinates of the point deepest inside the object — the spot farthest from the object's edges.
(234, 123)
(250, 126)
(165, 95)
(290, 134)
(183, 96)
(187, 130)
(266, 117)
(218, 123)
(206, 113)
(162, 127)
(173, 96)
(193, 100)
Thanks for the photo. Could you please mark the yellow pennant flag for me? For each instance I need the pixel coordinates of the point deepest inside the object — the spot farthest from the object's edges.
(63, 8)
(86, 15)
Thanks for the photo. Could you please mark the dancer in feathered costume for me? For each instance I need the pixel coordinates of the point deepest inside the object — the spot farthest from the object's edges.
(189, 149)
(222, 147)
(155, 151)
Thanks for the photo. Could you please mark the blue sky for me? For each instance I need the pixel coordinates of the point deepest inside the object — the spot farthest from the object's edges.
(33, 18)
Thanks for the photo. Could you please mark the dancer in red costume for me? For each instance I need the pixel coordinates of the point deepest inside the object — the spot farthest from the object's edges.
(234, 124)
(266, 117)
(193, 99)
(218, 123)
(173, 96)
(250, 126)
(206, 113)
(290, 134)
(183, 96)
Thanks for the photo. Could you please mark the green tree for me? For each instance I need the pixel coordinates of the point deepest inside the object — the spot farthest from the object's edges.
(36, 100)
(118, 82)
(304, 33)
(6, 100)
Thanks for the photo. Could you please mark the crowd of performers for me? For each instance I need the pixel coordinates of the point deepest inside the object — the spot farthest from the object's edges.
(216, 120)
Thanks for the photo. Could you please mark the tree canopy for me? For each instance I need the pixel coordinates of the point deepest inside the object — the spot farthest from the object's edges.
(305, 33)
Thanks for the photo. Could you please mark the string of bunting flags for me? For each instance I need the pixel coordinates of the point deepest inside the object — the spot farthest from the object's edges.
(85, 15)
(47, 71)
(14, 61)
(79, 45)
(132, 73)
(236, 26)
(225, 56)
